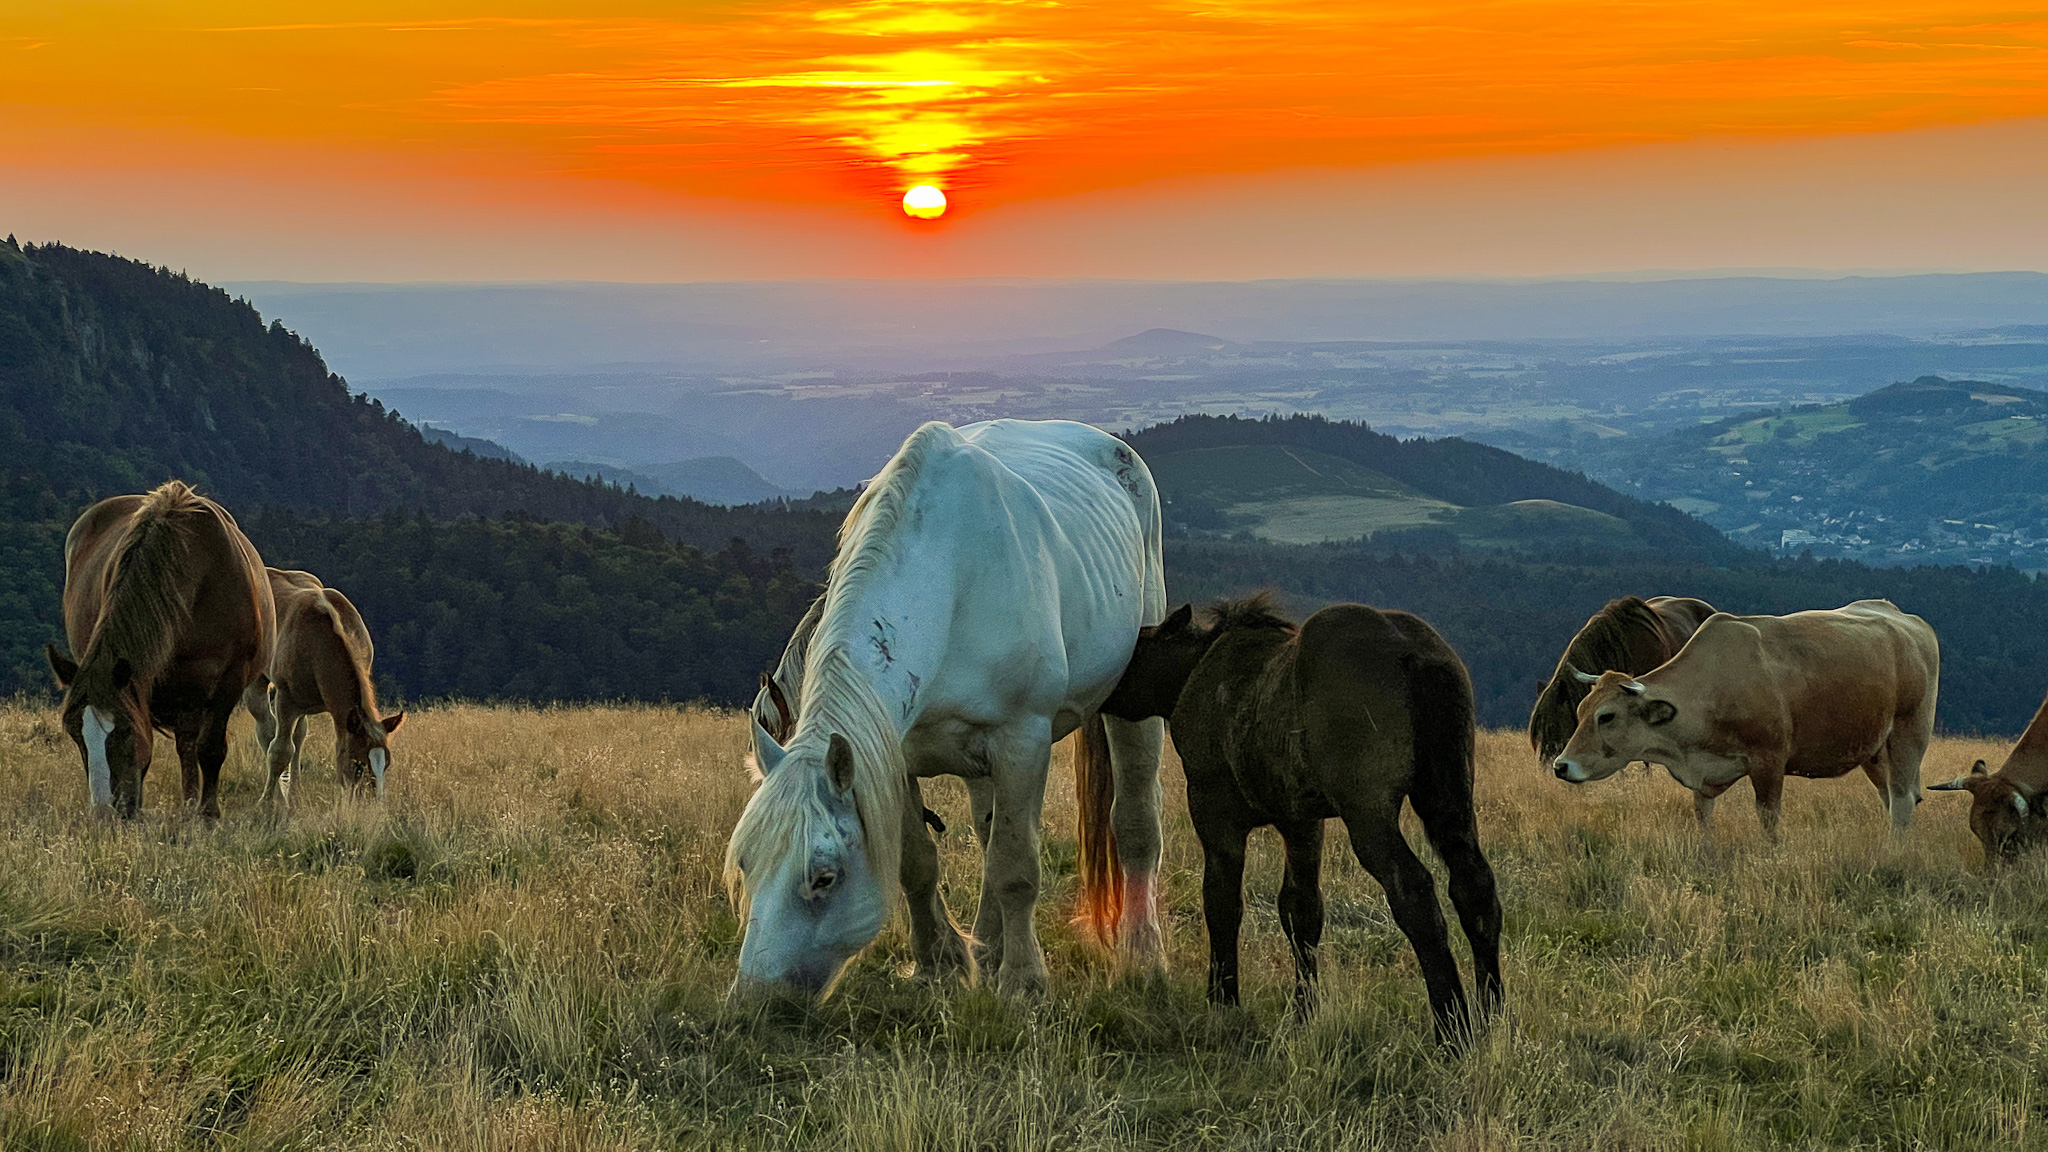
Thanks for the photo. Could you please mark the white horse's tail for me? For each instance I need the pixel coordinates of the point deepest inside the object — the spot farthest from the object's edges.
(1100, 906)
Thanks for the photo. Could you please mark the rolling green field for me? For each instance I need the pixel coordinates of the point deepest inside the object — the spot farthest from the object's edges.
(1294, 495)
(526, 947)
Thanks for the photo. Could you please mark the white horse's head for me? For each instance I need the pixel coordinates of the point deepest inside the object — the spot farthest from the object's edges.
(803, 866)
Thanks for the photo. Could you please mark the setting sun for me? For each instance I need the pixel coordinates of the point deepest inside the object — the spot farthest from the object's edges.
(924, 202)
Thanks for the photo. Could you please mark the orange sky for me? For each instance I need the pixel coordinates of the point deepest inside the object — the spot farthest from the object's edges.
(806, 118)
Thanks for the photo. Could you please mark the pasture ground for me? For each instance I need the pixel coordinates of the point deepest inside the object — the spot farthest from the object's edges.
(526, 947)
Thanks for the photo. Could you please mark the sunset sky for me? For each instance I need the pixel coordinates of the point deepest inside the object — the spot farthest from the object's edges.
(437, 139)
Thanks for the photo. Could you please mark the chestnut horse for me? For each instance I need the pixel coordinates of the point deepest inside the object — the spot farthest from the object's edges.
(1347, 715)
(1631, 635)
(321, 664)
(170, 614)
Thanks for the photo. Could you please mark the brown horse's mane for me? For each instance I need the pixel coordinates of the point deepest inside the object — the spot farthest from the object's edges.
(145, 607)
(1606, 642)
(358, 665)
(1258, 610)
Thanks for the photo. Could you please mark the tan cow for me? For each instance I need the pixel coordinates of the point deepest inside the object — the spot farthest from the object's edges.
(2005, 806)
(1812, 694)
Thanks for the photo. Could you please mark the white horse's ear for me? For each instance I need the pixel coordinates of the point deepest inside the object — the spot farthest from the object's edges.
(767, 753)
(839, 763)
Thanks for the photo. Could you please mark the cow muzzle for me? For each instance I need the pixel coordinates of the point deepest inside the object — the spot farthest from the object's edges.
(1569, 771)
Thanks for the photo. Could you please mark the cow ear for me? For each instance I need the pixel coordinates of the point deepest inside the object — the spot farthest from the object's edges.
(65, 668)
(1977, 769)
(1177, 622)
(839, 763)
(392, 722)
(1660, 712)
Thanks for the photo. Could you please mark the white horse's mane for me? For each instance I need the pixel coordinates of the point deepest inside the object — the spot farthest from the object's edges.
(837, 698)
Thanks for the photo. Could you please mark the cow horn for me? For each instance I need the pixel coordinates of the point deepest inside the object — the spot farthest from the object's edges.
(1959, 784)
(1632, 687)
(1582, 677)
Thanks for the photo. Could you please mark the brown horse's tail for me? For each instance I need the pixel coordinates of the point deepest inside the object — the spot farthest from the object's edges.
(1101, 904)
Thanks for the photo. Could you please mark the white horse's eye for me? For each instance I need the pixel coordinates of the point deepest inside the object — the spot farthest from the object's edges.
(822, 882)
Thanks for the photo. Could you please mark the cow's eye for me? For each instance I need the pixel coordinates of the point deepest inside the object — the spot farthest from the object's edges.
(1606, 717)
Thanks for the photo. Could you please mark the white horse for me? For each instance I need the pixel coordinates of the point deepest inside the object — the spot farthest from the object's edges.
(988, 591)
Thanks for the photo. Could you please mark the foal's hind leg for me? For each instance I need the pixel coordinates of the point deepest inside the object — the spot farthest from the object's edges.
(934, 938)
(1411, 894)
(1301, 905)
(1453, 828)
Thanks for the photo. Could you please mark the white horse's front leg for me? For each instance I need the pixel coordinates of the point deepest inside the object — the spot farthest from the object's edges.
(988, 913)
(934, 938)
(1019, 768)
(1134, 749)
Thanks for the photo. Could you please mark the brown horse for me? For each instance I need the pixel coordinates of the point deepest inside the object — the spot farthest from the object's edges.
(321, 664)
(1631, 635)
(1346, 716)
(168, 609)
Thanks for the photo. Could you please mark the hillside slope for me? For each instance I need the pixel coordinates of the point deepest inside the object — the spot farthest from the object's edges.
(1929, 471)
(1307, 479)
(115, 376)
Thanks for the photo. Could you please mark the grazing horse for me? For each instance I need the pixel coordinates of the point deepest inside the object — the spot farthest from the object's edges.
(321, 663)
(171, 617)
(988, 588)
(2006, 810)
(1631, 635)
(1347, 715)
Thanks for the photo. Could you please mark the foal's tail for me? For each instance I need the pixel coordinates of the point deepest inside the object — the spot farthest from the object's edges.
(1101, 903)
(1441, 711)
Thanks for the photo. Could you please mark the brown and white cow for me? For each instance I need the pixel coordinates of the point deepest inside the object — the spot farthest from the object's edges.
(2006, 805)
(1812, 694)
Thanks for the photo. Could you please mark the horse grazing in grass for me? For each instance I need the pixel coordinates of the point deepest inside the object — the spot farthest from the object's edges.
(168, 610)
(1346, 715)
(988, 588)
(321, 663)
(1631, 635)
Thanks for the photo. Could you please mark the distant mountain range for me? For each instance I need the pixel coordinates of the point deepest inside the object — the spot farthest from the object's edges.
(383, 332)
(1931, 471)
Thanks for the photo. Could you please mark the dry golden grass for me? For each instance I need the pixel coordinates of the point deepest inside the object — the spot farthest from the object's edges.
(526, 947)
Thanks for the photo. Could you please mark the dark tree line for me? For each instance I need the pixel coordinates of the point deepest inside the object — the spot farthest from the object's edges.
(1511, 618)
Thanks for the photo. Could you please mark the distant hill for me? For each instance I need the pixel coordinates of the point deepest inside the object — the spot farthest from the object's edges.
(1306, 479)
(1165, 342)
(1929, 471)
(710, 479)
(456, 442)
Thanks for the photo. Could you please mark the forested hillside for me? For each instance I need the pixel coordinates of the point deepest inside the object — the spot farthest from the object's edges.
(115, 376)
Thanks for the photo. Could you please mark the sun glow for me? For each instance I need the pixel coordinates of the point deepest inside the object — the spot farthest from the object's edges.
(924, 202)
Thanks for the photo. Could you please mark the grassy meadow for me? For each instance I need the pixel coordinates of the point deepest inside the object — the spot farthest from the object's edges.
(526, 947)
